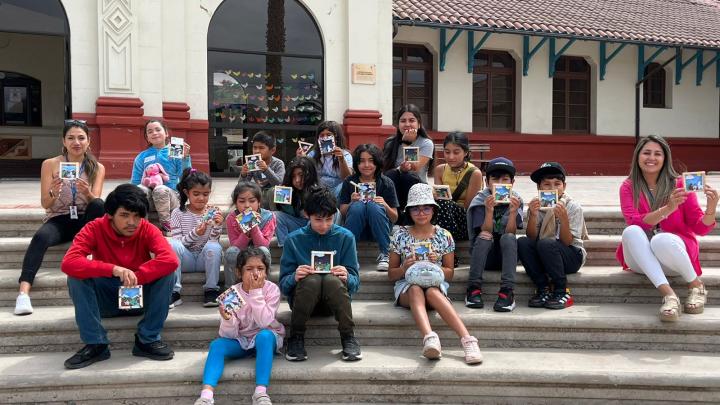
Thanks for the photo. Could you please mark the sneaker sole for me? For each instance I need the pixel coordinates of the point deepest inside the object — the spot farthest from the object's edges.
(23, 312)
(561, 306)
(382, 267)
(295, 358)
(139, 353)
(473, 304)
(176, 304)
(432, 353)
(474, 360)
(508, 308)
(347, 357)
(103, 356)
(536, 305)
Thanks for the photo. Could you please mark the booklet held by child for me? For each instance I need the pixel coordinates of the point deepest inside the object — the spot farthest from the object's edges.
(321, 261)
(548, 199)
(502, 193)
(442, 192)
(248, 219)
(130, 297)
(694, 181)
(422, 251)
(177, 148)
(230, 301)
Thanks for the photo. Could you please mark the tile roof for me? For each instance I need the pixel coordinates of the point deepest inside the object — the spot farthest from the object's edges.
(671, 22)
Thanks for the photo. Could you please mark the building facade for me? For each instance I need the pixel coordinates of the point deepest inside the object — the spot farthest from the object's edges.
(219, 71)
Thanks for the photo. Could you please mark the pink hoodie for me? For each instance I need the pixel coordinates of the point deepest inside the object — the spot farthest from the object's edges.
(685, 222)
(258, 314)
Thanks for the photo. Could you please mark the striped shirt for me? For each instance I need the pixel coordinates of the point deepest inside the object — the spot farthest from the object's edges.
(183, 224)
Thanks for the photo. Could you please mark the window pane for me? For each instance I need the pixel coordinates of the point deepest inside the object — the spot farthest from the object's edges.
(480, 107)
(558, 110)
(502, 108)
(577, 97)
(502, 95)
(479, 122)
(578, 65)
(397, 54)
(578, 124)
(502, 60)
(501, 121)
(416, 92)
(578, 111)
(499, 81)
(420, 102)
(559, 97)
(559, 123)
(418, 55)
(558, 84)
(397, 77)
(578, 85)
(481, 59)
(415, 77)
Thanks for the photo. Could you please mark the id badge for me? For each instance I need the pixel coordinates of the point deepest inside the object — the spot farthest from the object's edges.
(73, 212)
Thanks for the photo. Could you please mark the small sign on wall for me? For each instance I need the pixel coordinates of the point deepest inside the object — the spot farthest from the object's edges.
(363, 73)
(15, 147)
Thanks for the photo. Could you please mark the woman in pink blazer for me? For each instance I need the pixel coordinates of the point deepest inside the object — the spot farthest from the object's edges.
(663, 221)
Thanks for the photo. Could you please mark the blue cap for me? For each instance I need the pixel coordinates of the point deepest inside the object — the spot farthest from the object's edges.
(500, 164)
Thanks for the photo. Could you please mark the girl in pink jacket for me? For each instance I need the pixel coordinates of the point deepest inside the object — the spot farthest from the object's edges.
(250, 329)
(663, 221)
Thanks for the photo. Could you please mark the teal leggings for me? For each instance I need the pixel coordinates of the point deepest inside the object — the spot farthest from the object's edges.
(221, 348)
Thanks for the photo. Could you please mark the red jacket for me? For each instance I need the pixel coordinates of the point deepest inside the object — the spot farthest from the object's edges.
(109, 249)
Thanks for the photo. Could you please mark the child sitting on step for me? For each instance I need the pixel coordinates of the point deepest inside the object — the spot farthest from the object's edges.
(553, 246)
(272, 169)
(421, 264)
(251, 329)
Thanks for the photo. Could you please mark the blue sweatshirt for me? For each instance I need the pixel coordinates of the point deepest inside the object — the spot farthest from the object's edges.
(173, 167)
(301, 242)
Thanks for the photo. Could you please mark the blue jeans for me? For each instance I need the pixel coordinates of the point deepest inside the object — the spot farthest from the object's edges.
(96, 298)
(363, 217)
(221, 348)
(285, 224)
(208, 260)
(231, 255)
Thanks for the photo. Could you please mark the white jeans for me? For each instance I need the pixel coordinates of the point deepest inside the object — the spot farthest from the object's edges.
(663, 255)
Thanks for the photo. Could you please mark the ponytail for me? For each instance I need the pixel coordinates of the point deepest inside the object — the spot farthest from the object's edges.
(191, 178)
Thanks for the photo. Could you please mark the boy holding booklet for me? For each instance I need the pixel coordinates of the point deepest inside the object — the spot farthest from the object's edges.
(493, 218)
(553, 246)
(310, 291)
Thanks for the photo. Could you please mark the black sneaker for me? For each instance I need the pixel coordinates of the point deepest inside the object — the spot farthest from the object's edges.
(505, 301)
(175, 300)
(473, 298)
(560, 299)
(295, 350)
(211, 298)
(157, 350)
(88, 355)
(540, 298)
(350, 348)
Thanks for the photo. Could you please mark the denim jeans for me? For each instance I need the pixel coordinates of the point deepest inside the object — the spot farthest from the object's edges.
(207, 260)
(231, 255)
(96, 298)
(285, 224)
(363, 217)
(548, 260)
(500, 253)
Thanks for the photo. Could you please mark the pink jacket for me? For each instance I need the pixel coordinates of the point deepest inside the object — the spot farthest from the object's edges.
(685, 222)
(258, 314)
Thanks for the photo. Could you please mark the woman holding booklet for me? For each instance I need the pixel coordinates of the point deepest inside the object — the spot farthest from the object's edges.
(663, 220)
(455, 181)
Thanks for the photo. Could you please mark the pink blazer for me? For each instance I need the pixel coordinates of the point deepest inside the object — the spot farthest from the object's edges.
(258, 313)
(685, 222)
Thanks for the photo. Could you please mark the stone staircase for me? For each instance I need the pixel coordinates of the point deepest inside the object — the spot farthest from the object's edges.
(609, 347)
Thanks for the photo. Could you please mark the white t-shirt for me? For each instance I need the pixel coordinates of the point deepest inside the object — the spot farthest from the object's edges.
(426, 148)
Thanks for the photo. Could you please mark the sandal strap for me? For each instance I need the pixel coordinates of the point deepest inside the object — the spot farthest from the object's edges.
(670, 303)
(697, 296)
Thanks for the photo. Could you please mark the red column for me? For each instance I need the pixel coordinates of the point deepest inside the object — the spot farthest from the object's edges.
(365, 126)
(195, 132)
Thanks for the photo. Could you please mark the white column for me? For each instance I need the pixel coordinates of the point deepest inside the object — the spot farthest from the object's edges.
(118, 47)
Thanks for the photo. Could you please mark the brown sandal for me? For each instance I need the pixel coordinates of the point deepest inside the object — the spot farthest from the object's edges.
(670, 309)
(696, 299)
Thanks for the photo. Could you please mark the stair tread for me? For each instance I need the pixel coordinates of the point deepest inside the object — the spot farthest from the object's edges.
(533, 366)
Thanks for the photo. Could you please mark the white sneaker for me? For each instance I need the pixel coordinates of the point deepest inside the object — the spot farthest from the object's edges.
(383, 262)
(471, 349)
(261, 399)
(22, 305)
(204, 401)
(431, 346)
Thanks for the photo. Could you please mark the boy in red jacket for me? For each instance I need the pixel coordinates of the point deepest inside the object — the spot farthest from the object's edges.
(120, 244)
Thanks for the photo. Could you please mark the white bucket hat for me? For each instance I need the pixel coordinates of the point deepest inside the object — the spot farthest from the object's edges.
(420, 194)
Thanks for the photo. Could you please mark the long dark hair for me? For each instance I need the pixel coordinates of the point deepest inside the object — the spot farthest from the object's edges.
(191, 178)
(666, 178)
(245, 255)
(374, 152)
(244, 186)
(89, 161)
(393, 144)
(162, 124)
(459, 139)
(337, 132)
(310, 178)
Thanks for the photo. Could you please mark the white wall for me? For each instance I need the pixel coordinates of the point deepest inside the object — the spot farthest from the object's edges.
(693, 109)
(40, 57)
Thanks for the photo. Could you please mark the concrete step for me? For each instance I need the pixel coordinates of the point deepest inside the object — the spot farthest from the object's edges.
(599, 220)
(600, 248)
(385, 375)
(593, 284)
(582, 326)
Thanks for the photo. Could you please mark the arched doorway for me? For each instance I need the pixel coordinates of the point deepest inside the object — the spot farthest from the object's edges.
(34, 83)
(265, 72)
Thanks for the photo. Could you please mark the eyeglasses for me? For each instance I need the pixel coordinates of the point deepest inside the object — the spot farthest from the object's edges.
(75, 122)
(425, 209)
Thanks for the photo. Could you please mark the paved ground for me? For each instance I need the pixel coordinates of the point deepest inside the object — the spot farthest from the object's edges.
(590, 190)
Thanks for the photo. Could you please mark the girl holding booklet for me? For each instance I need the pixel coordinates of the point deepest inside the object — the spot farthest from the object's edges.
(300, 175)
(335, 166)
(69, 204)
(463, 180)
(406, 173)
(368, 201)
(663, 221)
(406, 261)
(196, 229)
(163, 198)
(248, 327)
(257, 232)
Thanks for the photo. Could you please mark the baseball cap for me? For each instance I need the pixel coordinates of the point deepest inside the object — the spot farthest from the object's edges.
(500, 164)
(547, 168)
